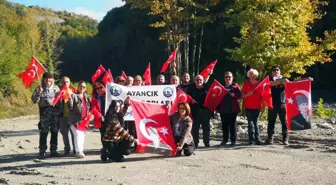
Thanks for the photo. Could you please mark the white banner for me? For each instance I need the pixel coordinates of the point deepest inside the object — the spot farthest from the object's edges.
(158, 94)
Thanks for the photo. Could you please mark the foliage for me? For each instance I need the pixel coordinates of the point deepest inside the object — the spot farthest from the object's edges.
(275, 32)
(322, 112)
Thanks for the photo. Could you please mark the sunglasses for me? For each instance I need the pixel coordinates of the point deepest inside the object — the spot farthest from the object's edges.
(83, 86)
(99, 88)
(228, 76)
(181, 108)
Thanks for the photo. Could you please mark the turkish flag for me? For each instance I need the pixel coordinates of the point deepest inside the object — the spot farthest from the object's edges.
(73, 89)
(84, 124)
(298, 104)
(264, 88)
(98, 73)
(210, 67)
(171, 58)
(62, 95)
(214, 96)
(108, 78)
(147, 75)
(123, 74)
(153, 128)
(181, 96)
(32, 72)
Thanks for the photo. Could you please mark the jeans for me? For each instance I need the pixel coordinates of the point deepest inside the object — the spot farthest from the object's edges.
(252, 122)
(229, 125)
(272, 115)
(201, 118)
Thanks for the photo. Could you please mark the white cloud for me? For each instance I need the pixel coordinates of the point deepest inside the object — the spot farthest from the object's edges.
(93, 14)
(109, 4)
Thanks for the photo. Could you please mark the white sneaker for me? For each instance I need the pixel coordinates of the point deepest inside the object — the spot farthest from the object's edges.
(80, 155)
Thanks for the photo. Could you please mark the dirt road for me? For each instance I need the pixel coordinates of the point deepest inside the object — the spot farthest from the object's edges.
(310, 159)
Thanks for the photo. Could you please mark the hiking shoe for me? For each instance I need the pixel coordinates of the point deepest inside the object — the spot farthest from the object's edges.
(66, 152)
(223, 143)
(207, 145)
(233, 143)
(269, 141)
(258, 142)
(42, 155)
(54, 154)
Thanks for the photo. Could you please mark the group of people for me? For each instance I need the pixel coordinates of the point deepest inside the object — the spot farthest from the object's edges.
(118, 136)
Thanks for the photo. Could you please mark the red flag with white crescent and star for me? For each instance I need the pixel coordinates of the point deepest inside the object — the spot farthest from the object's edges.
(64, 94)
(108, 78)
(214, 96)
(98, 73)
(298, 104)
(181, 96)
(147, 75)
(264, 88)
(84, 124)
(32, 72)
(205, 73)
(153, 128)
(170, 59)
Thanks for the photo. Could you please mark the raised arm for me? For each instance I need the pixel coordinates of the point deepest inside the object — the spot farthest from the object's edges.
(36, 95)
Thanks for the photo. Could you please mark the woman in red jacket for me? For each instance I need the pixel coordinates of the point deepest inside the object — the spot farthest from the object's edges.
(252, 105)
(229, 109)
(98, 102)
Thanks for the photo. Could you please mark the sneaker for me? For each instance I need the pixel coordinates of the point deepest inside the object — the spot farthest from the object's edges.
(207, 145)
(233, 143)
(80, 155)
(54, 154)
(285, 142)
(66, 152)
(269, 141)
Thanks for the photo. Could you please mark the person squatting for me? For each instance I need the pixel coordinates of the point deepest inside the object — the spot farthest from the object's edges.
(118, 137)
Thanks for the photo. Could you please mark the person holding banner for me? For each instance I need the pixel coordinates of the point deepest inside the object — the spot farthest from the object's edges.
(44, 95)
(116, 140)
(252, 105)
(137, 80)
(201, 114)
(229, 109)
(182, 126)
(129, 81)
(79, 105)
(279, 106)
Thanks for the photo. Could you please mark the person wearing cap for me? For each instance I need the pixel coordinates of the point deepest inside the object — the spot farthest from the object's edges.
(303, 119)
(64, 115)
(44, 95)
(279, 106)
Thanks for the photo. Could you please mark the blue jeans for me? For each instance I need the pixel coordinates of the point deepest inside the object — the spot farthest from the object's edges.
(252, 122)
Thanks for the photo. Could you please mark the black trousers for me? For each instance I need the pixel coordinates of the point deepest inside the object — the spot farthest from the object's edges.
(201, 118)
(252, 122)
(53, 140)
(229, 126)
(130, 126)
(272, 115)
(188, 149)
(116, 150)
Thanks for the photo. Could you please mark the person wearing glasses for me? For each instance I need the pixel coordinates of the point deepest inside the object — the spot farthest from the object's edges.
(229, 109)
(64, 114)
(79, 105)
(120, 80)
(252, 105)
(279, 106)
(201, 114)
(137, 80)
(182, 125)
(44, 95)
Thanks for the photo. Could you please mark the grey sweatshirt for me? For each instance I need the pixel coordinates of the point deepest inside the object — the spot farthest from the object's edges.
(47, 97)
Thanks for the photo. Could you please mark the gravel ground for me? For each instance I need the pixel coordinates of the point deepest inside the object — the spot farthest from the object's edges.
(310, 159)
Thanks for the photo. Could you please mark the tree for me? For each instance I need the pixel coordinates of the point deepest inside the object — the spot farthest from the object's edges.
(275, 32)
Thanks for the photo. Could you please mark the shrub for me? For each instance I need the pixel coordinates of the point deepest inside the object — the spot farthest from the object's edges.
(322, 112)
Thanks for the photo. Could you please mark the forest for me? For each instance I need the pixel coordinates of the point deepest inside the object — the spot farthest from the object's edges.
(299, 35)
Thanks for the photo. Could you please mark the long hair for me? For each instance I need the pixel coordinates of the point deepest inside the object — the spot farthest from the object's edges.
(95, 85)
(111, 114)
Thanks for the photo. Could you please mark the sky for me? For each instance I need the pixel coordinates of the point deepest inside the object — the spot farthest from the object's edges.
(95, 9)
